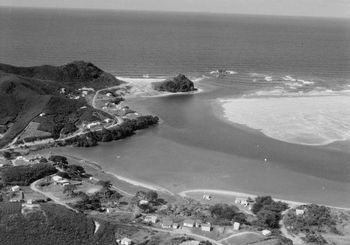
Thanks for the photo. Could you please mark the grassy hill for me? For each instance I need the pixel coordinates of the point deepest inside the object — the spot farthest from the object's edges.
(50, 224)
(25, 92)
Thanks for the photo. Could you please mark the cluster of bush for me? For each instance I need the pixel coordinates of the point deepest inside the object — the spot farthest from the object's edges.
(152, 201)
(106, 135)
(316, 219)
(268, 212)
(93, 202)
(24, 175)
(225, 214)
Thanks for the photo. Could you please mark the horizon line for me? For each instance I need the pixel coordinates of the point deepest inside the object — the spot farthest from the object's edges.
(177, 12)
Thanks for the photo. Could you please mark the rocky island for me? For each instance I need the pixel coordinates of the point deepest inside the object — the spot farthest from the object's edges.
(180, 83)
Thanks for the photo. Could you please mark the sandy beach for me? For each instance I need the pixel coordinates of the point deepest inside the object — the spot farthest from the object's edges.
(142, 87)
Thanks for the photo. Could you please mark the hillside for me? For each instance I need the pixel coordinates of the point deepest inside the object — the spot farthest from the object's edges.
(50, 224)
(180, 83)
(27, 92)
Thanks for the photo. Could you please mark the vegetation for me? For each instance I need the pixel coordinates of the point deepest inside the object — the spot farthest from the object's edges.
(224, 213)
(316, 219)
(50, 224)
(24, 175)
(268, 212)
(180, 83)
(119, 132)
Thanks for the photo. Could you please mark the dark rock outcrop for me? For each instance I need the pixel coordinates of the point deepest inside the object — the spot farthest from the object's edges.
(180, 83)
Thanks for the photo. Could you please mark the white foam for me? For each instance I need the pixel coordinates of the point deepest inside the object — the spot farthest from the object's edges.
(311, 120)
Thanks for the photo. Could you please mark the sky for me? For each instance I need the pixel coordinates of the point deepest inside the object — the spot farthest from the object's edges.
(321, 8)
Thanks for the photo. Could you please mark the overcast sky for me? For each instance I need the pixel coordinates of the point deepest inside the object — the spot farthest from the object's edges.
(326, 8)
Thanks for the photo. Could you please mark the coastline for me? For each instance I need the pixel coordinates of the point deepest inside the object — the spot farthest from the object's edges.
(187, 192)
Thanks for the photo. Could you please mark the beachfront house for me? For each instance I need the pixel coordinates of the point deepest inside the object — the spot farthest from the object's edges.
(206, 197)
(299, 211)
(167, 224)
(242, 201)
(56, 178)
(189, 223)
(236, 226)
(206, 227)
(266, 232)
(151, 219)
(126, 241)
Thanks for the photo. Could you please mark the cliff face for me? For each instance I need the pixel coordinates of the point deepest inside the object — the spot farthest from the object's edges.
(180, 83)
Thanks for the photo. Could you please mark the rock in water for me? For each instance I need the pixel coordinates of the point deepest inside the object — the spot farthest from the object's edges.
(180, 83)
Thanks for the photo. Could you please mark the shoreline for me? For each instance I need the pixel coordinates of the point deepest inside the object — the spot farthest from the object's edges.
(185, 193)
(292, 204)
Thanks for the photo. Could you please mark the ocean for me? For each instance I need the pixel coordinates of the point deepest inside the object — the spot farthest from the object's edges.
(276, 123)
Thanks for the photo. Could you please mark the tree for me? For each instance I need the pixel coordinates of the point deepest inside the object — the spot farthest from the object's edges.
(105, 183)
(7, 155)
(268, 218)
(151, 196)
(69, 189)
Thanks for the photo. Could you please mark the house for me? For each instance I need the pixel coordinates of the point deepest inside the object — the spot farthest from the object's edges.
(57, 178)
(167, 224)
(15, 188)
(126, 241)
(175, 226)
(299, 211)
(151, 219)
(143, 202)
(266, 232)
(243, 201)
(189, 223)
(206, 197)
(109, 94)
(206, 227)
(236, 226)
(108, 120)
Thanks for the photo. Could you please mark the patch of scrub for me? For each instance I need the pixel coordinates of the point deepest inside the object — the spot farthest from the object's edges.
(312, 120)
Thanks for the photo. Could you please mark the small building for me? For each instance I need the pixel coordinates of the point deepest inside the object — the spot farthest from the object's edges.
(299, 211)
(109, 94)
(151, 219)
(236, 226)
(198, 223)
(266, 232)
(57, 178)
(189, 223)
(29, 201)
(167, 224)
(42, 114)
(108, 120)
(126, 241)
(143, 202)
(15, 188)
(175, 226)
(206, 227)
(243, 201)
(206, 197)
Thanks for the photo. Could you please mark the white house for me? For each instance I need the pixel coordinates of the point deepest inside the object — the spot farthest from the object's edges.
(206, 197)
(189, 223)
(126, 241)
(143, 202)
(109, 94)
(57, 178)
(266, 232)
(42, 114)
(236, 226)
(299, 211)
(243, 201)
(151, 219)
(15, 188)
(206, 227)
